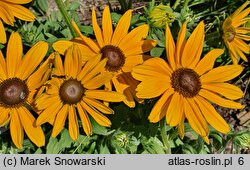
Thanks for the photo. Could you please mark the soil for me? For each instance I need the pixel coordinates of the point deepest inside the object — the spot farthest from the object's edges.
(86, 6)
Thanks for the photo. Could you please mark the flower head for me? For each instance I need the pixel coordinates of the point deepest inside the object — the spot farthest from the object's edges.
(19, 81)
(162, 15)
(10, 9)
(73, 89)
(235, 33)
(122, 50)
(188, 83)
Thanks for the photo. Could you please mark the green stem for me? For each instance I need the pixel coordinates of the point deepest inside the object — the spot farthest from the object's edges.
(177, 2)
(164, 136)
(186, 4)
(66, 17)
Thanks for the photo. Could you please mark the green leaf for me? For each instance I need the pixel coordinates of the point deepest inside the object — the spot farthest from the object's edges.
(104, 149)
(43, 4)
(217, 140)
(55, 146)
(74, 6)
(157, 51)
(98, 129)
(115, 17)
(153, 145)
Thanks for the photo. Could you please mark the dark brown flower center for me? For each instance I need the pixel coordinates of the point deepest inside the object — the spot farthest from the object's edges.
(186, 81)
(71, 91)
(115, 56)
(13, 92)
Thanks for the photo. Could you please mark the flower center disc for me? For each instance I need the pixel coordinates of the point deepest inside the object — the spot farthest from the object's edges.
(115, 56)
(71, 91)
(186, 82)
(14, 92)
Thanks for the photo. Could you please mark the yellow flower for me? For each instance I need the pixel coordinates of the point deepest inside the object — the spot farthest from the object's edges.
(74, 89)
(18, 84)
(10, 9)
(123, 50)
(161, 15)
(187, 84)
(234, 34)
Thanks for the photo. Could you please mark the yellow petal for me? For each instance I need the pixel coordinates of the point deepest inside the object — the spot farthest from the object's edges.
(4, 116)
(21, 12)
(73, 123)
(134, 37)
(195, 118)
(181, 129)
(127, 77)
(73, 62)
(45, 101)
(122, 87)
(13, 57)
(16, 129)
(2, 33)
(95, 71)
(107, 26)
(206, 139)
(211, 115)
(41, 75)
(86, 40)
(18, 1)
(170, 48)
(88, 67)
(157, 109)
(152, 68)
(242, 45)
(60, 121)
(175, 110)
(59, 70)
(61, 46)
(122, 27)
(98, 80)
(86, 124)
(218, 100)
(109, 96)
(99, 118)
(151, 88)
(241, 15)
(97, 29)
(207, 62)
(180, 44)
(221, 74)
(98, 105)
(6, 14)
(141, 47)
(225, 89)
(3, 74)
(32, 59)
(193, 48)
(49, 113)
(237, 12)
(131, 62)
(35, 133)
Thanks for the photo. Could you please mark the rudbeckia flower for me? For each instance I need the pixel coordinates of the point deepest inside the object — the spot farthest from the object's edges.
(235, 33)
(73, 89)
(122, 50)
(19, 81)
(10, 9)
(188, 84)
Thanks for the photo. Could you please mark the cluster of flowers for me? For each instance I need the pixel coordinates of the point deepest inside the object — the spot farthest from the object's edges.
(82, 76)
